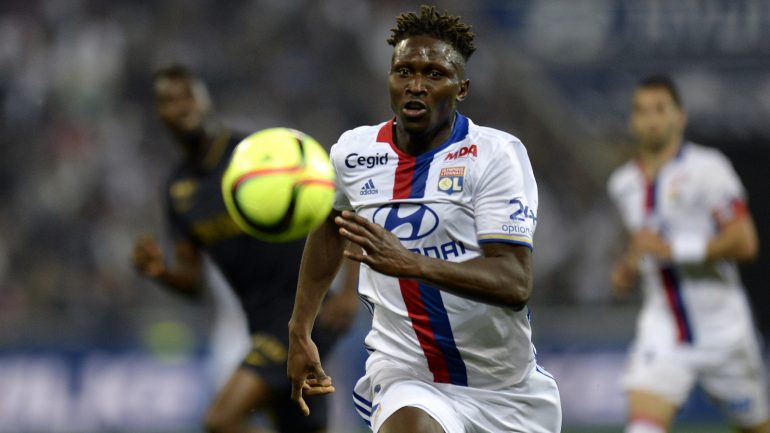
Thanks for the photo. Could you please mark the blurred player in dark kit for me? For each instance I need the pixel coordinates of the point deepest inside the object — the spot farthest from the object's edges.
(262, 275)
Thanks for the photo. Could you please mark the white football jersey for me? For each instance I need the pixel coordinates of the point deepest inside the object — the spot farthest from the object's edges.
(702, 304)
(476, 187)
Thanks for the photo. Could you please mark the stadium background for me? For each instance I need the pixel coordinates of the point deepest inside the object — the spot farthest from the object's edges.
(86, 345)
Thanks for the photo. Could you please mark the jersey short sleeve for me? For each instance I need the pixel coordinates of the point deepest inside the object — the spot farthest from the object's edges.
(505, 197)
(724, 192)
(341, 201)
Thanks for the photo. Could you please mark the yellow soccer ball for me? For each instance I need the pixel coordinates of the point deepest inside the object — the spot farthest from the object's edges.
(279, 185)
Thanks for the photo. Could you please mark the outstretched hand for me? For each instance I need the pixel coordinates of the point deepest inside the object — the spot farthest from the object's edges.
(148, 257)
(382, 251)
(304, 369)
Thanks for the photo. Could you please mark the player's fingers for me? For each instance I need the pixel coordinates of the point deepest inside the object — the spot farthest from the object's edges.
(358, 257)
(358, 219)
(318, 390)
(353, 227)
(362, 241)
(322, 381)
(296, 395)
(303, 406)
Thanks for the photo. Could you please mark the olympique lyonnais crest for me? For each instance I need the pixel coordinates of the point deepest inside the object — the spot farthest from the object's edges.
(450, 179)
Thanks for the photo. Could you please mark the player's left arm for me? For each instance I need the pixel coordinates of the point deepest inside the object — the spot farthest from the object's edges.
(737, 240)
(502, 276)
(736, 237)
(339, 311)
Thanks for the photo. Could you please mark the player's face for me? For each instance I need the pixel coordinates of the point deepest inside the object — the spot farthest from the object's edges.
(656, 120)
(180, 106)
(426, 82)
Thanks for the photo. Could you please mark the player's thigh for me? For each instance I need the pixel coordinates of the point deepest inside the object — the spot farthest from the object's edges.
(651, 407)
(388, 391)
(533, 405)
(243, 393)
(410, 419)
(658, 379)
(739, 385)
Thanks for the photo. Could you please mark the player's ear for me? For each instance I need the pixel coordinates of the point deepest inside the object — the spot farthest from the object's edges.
(463, 93)
(682, 118)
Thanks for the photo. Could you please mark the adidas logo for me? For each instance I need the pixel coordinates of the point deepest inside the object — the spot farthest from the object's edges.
(368, 188)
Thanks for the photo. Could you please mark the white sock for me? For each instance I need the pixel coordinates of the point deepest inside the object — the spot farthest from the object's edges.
(644, 426)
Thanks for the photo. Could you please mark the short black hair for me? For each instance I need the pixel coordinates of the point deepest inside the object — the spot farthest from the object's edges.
(174, 71)
(431, 23)
(661, 81)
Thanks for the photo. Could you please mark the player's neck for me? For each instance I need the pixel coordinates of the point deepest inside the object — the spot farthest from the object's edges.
(196, 146)
(417, 144)
(652, 161)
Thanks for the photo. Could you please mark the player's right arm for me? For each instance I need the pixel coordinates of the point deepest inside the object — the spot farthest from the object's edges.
(624, 275)
(184, 277)
(321, 260)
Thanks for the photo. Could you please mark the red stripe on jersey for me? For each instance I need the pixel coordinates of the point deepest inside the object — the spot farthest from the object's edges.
(740, 209)
(649, 198)
(402, 183)
(386, 133)
(421, 324)
(736, 210)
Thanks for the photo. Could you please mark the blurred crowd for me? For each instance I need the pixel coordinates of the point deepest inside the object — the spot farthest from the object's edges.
(82, 157)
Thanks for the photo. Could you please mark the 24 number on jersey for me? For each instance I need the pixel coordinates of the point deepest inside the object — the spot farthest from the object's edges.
(523, 212)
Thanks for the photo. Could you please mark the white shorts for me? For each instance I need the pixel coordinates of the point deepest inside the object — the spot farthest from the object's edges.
(733, 376)
(532, 406)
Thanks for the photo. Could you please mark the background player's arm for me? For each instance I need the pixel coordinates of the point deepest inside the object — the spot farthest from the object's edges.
(736, 240)
(502, 276)
(321, 260)
(184, 277)
(625, 273)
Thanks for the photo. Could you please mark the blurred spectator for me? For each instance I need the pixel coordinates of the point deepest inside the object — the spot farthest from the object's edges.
(79, 150)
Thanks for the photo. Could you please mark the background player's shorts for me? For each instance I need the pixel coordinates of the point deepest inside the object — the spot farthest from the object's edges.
(267, 358)
(733, 376)
(532, 406)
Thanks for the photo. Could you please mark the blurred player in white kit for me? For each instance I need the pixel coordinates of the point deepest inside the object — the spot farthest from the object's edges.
(686, 213)
(444, 211)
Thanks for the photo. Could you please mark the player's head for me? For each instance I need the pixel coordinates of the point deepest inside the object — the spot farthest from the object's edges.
(657, 117)
(427, 74)
(182, 101)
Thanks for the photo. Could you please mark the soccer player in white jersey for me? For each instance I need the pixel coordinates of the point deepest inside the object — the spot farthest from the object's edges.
(444, 212)
(686, 213)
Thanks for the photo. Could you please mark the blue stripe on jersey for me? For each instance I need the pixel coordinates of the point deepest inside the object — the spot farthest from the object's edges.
(507, 241)
(673, 286)
(442, 330)
(422, 162)
(420, 175)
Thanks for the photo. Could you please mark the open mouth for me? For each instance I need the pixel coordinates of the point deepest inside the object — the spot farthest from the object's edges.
(414, 108)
